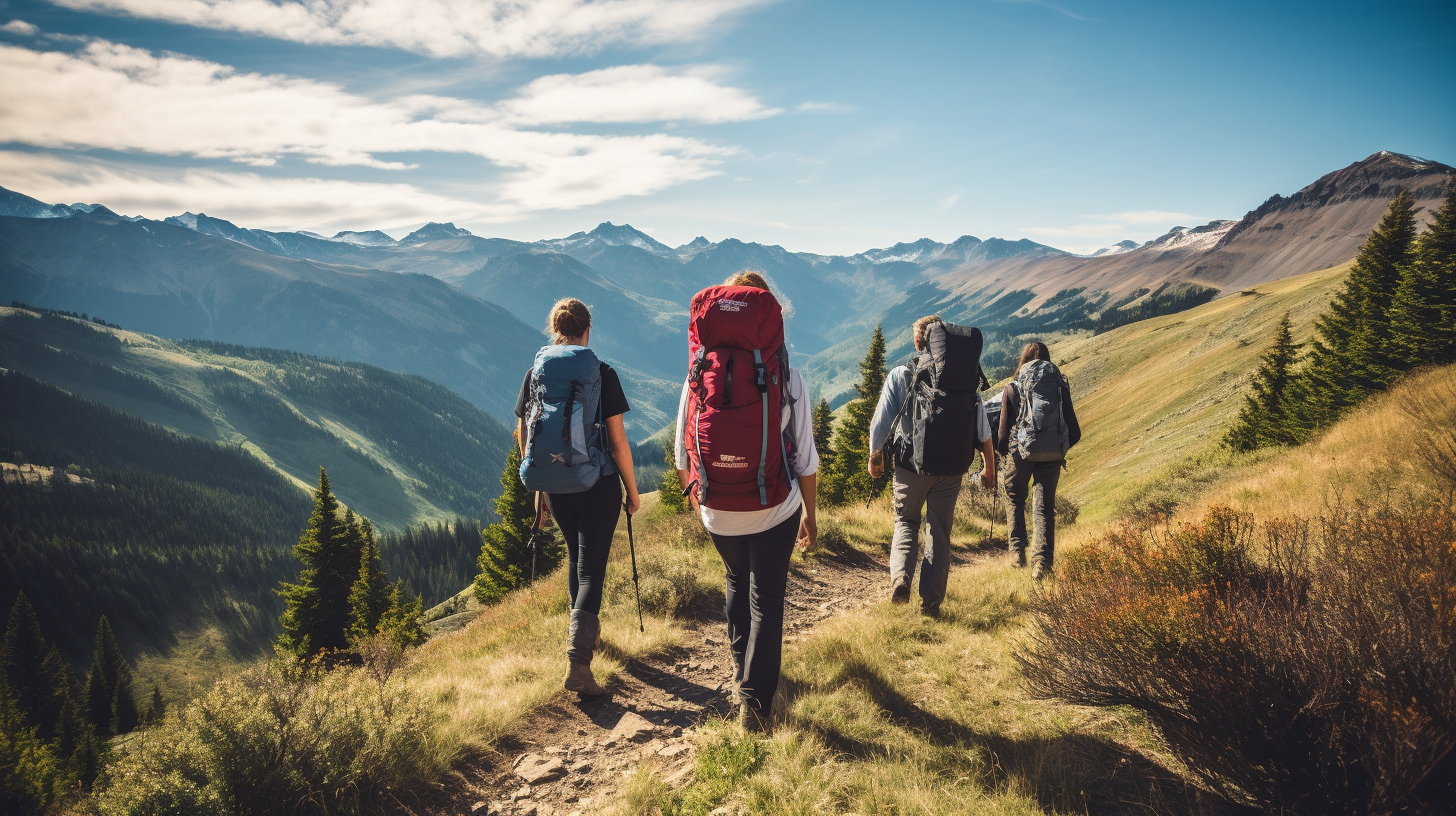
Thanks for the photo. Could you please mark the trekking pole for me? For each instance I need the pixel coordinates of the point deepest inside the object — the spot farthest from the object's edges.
(632, 548)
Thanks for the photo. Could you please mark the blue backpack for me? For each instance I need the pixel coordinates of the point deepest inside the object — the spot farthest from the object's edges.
(565, 435)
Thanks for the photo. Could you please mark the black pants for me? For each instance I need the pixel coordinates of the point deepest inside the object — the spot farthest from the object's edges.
(1041, 478)
(757, 569)
(587, 521)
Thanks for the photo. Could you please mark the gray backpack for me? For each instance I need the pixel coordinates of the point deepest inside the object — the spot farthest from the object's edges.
(1040, 433)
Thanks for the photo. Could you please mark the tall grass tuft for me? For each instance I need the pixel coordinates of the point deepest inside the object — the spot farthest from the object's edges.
(1302, 666)
(282, 740)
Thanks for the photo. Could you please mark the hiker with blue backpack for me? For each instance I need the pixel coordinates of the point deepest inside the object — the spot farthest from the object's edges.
(1038, 425)
(931, 419)
(747, 464)
(576, 456)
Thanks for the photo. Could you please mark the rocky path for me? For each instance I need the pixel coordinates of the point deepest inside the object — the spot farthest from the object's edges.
(572, 755)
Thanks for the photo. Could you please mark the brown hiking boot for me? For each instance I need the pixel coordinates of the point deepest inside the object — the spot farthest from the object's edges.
(900, 592)
(580, 680)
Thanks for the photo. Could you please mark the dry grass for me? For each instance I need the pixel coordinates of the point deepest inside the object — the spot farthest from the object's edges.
(1155, 397)
(510, 660)
(1376, 453)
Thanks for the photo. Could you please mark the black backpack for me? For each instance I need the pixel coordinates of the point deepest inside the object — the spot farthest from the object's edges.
(944, 380)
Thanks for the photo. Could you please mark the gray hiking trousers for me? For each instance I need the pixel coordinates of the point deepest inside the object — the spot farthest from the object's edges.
(938, 495)
(1039, 480)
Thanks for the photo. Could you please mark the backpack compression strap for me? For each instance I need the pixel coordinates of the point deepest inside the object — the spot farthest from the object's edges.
(762, 375)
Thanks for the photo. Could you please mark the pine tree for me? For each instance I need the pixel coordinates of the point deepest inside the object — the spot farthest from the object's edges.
(157, 708)
(847, 479)
(669, 493)
(33, 669)
(1352, 354)
(823, 420)
(369, 597)
(401, 620)
(505, 554)
(1264, 419)
(27, 767)
(316, 613)
(1423, 310)
(75, 746)
(110, 704)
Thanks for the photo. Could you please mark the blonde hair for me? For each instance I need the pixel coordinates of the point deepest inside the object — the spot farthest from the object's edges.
(922, 326)
(747, 278)
(569, 320)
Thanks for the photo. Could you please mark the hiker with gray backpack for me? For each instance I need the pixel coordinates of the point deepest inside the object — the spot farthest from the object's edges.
(575, 454)
(930, 412)
(1038, 425)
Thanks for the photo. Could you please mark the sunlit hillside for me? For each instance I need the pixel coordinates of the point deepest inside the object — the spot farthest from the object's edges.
(1155, 398)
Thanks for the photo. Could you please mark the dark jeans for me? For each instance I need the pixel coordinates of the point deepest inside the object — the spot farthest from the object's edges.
(757, 569)
(587, 521)
(1041, 478)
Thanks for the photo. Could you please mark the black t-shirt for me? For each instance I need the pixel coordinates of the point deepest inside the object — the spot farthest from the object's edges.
(614, 401)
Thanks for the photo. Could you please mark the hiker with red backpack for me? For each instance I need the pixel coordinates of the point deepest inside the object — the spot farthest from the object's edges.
(1038, 427)
(575, 454)
(930, 412)
(747, 463)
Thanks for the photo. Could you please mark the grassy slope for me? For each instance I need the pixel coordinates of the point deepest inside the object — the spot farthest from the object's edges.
(365, 473)
(1155, 398)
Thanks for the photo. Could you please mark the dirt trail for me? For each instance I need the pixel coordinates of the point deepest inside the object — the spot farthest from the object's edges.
(572, 756)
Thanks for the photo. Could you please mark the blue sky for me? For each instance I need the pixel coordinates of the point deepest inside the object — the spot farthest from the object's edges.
(822, 126)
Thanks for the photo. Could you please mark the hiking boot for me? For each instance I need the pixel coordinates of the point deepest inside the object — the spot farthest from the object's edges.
(930, 610)
(900, 593)
(1018, 559)
(1039, 572)
(580, 680)
(753, 721)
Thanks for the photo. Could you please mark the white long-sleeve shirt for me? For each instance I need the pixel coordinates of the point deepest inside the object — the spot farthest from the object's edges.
(805, 461)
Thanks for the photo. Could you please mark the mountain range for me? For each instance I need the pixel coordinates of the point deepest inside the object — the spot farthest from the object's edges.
(467, 311)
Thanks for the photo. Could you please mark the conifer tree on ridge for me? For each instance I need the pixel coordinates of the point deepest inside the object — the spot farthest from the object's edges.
(847, 478)
(1264, 419)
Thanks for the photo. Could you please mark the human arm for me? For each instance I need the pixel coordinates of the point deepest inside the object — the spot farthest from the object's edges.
(988, 448)
(809, 524)
(1010, 407)
(1074, 428)
(887, 413)
(680, 448)
(622, 455)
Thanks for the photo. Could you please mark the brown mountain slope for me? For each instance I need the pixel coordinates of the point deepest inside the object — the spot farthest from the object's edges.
(1318, 227)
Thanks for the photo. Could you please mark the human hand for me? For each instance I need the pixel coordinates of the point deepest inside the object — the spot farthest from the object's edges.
(543, 508)
(634, 503)
(988, 478)
(876, 466)
(808, 534)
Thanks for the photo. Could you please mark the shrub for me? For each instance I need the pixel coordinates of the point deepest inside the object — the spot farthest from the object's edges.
(1067, 511)
(1301, 667)
(280, 740)
(675, 582)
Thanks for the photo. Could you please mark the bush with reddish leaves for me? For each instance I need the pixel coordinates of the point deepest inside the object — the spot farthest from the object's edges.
(1302, 666)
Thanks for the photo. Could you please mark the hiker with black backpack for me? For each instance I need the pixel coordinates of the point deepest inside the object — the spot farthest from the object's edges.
(930, 413)
(575, 453)
(747, 463)
(1038, 427)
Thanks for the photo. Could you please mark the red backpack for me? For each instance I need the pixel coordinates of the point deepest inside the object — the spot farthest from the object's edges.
(738, 382)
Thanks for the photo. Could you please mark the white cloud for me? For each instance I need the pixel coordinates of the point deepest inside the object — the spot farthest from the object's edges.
(242, 197)
(446, 28)
(21, 28)
(1054, 7)
(824, 107)
(948, 202)
(633, 93)
(115, 97)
